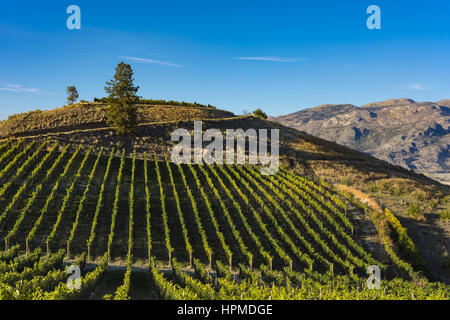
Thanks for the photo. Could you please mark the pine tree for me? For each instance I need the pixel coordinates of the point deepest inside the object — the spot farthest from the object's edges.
(72, 94)
(122, 99)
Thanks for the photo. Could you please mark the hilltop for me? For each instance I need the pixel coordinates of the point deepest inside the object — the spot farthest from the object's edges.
(414, 135)
(92, 115)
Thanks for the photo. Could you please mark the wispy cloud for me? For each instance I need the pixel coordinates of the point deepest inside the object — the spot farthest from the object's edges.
(416, 86)
(20, 89)
(145, 60)
(274, 59)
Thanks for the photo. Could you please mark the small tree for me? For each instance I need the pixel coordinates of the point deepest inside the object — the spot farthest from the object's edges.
(260, 114)
(122, 99)
(72, 94)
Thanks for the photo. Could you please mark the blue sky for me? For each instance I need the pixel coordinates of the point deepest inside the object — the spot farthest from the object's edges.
(298, 54)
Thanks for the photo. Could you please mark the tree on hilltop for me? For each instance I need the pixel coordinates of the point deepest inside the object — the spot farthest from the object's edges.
(72, 94)
(122, 99)
(260, 114)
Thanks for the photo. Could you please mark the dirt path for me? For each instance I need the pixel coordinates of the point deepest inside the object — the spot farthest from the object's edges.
(365, 232)
(431, 236)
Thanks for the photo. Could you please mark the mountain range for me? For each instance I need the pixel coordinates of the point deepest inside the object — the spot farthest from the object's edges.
(414, 135)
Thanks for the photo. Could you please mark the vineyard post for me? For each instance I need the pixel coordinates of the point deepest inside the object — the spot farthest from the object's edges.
(27, 246)
(230, 260)
(89, 252)
(190, 259)
(6, 244)
(270, 263)
(251, 263)
(331, 268)
(68, 249)
(210, 259)
(48, 250)
(287, 281)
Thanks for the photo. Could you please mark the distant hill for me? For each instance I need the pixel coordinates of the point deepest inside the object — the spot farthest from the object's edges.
(411, 134)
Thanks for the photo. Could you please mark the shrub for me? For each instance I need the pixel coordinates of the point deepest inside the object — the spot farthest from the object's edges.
(397, 191)
(414, 210)
(372, 187)
(346, 181)
(445, 214)
(260, 114)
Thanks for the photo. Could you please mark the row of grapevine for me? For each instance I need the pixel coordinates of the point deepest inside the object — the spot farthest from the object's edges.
(339, 230)
(198, 222)
(5, 145)
(99, 205)
(65, 202)
(16, 159)
(88, 282)
(122, 292)
(202, 290)
(23, 168)
(10, 151)
(234, 231)
(32, 234)
(40, 268)
(22, 189)
(20, 263)
(268, 212)
(164, 211)
(405, 242)
(280, 191)
(280, 252)
(147, 209)
(313, 235)
(166, 289)
(384, 238)
(180, 212)
(275, 202)
(116, 204)
(266, 256)
(9, 254)
(278, 285)
(29, 206)
(82, 201)
(316, 192)
(212, 216)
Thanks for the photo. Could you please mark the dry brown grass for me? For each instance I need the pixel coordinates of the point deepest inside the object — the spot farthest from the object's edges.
(93, 115)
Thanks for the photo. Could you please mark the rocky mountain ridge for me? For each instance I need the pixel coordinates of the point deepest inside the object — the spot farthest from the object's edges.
(414, 135)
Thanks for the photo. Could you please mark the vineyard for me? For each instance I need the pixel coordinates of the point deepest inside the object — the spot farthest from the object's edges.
(184, 231)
